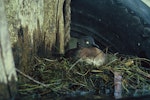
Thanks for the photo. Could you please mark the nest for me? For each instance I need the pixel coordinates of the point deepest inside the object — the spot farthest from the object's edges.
(65, 77)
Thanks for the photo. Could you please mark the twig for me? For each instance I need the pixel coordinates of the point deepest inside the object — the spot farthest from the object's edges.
(74, 64)
(142, 59)
(143, 73)
(50, 60)
(111, 62)
(84, 73)
(30, 78)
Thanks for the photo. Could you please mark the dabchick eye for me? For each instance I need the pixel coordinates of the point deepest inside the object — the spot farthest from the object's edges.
(87, 42)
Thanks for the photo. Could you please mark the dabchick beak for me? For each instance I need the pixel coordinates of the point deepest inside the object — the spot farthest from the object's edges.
(95, 45)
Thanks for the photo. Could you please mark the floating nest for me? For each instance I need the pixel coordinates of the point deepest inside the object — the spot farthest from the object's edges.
(63, 77)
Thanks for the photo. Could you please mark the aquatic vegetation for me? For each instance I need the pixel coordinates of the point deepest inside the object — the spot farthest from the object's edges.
(66, 77)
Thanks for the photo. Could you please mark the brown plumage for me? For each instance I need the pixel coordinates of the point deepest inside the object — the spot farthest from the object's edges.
(90, 55)
(87, 51)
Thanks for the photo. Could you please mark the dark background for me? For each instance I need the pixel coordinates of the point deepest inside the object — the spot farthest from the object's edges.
(120, 25)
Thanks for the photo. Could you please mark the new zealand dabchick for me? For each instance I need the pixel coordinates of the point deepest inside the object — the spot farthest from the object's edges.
(87, 51)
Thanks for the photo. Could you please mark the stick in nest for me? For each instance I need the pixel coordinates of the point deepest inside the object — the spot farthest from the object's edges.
(30, 78)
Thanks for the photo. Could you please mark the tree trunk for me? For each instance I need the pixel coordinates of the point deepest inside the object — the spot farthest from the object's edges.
(37, 28)
(8, 75)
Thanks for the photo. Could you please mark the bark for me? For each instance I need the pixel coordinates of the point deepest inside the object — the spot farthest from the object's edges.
(37, 28)
(8, 75)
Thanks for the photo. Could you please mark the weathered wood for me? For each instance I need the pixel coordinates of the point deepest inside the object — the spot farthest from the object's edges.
(37, 27)
(67, 20)
(56, 24)
(8, 75)
(118, 85)
(53, 17)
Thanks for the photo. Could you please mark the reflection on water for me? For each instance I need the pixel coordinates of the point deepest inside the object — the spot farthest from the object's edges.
(80, 97)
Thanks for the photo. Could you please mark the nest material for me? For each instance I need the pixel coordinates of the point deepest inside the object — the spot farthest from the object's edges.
(64, 77)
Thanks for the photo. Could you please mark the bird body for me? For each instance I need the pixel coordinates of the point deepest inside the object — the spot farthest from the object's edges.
(87, 51)
(92, 55)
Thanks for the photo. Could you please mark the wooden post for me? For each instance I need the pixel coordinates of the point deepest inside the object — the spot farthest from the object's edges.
(118, 85)
(8, 75)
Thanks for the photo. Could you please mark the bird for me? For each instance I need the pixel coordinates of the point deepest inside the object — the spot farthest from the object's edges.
(87, 51)
(82, 41)
(91, 55)
(86, 41)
